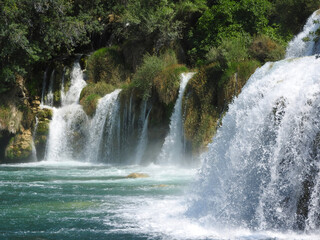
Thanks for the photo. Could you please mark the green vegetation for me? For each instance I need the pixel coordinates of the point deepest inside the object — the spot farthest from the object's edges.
(92, 93)
(168, 81)
(106, 64)
(148, 43)
(151, 66)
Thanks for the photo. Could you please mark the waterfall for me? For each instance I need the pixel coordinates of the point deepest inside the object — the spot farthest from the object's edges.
(62, 91)
(143, 140)
(49, 98)
(103, 119)
(262, 168)
(172, 149)
(68, 126)
(34, 150)
(44, 83)
(303, 44)
(77, 84)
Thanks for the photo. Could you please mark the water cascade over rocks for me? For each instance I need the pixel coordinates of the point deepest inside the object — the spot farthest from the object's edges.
(143, 139)
(69, 123)
(262, 170)
(172, 149)
(104, 120)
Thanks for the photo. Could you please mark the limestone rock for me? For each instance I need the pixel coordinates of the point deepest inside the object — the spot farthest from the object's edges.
(137, 175)
(20, 147)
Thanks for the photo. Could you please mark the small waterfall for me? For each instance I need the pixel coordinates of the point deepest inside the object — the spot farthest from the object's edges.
(303, 44)
(262, 168)
(68, 126)
(103, 119)
(62, 91)
(34, 150)
(143, 140)
(44, 83)
(77, 84)
(49, 98)
(172, 149)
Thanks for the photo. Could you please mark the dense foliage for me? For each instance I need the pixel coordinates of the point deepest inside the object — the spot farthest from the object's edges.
(33, 32)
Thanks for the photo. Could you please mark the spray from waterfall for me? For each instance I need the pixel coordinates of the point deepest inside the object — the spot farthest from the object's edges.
(172, 149)
(68, 126)
(262, 168)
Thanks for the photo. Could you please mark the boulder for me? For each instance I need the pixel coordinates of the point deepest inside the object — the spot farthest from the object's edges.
(137, 175)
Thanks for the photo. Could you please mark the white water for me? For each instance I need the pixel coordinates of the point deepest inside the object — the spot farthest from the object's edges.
(143, 140)
(62, 91)
(303, 44)
(103, 119)
(34, 150)
(44, 83)
(77, 84)
(172, 149)
(262, 171)
(49, 97)
(69, 123)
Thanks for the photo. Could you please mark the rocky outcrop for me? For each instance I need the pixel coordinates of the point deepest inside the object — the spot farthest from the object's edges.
(20, 147)
(41, 134)
(17, 119)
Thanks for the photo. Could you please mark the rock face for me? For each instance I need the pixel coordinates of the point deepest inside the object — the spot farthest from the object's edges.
(17, 118)
(40, 136)
(137, 175)
(20, 147)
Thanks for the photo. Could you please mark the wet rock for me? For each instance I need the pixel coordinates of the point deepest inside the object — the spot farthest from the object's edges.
(137, 175)
(19, 148)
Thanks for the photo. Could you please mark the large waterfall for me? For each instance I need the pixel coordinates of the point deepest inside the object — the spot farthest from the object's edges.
(262, 170)
(172, 149)
(69, 123)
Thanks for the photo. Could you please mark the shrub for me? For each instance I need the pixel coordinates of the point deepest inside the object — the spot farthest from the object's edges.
(265, 49)
(106, 64)
(234, 49)
(151, 66)
(168, 81)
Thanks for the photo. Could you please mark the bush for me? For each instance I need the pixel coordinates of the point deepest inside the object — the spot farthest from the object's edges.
(106, 64)
(168, 81)
(234, 49)
(265, 49)
(151, 66)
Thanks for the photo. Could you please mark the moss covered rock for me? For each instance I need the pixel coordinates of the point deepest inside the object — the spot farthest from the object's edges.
(168, 81)
(106, 65)
(92, 93)
(207, 97)
(42, 131)
(20, 147)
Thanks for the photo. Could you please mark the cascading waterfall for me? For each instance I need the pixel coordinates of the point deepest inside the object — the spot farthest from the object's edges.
(44, 83)
(34, 150)
(172, 149)
(103, 119)
(262, 168)
(49, 98)
(69, 123)
(143, 140)
(303, 44)
(62, 91)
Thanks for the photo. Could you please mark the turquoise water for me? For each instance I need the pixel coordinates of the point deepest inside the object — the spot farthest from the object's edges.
(81, 201)
(52, 201)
